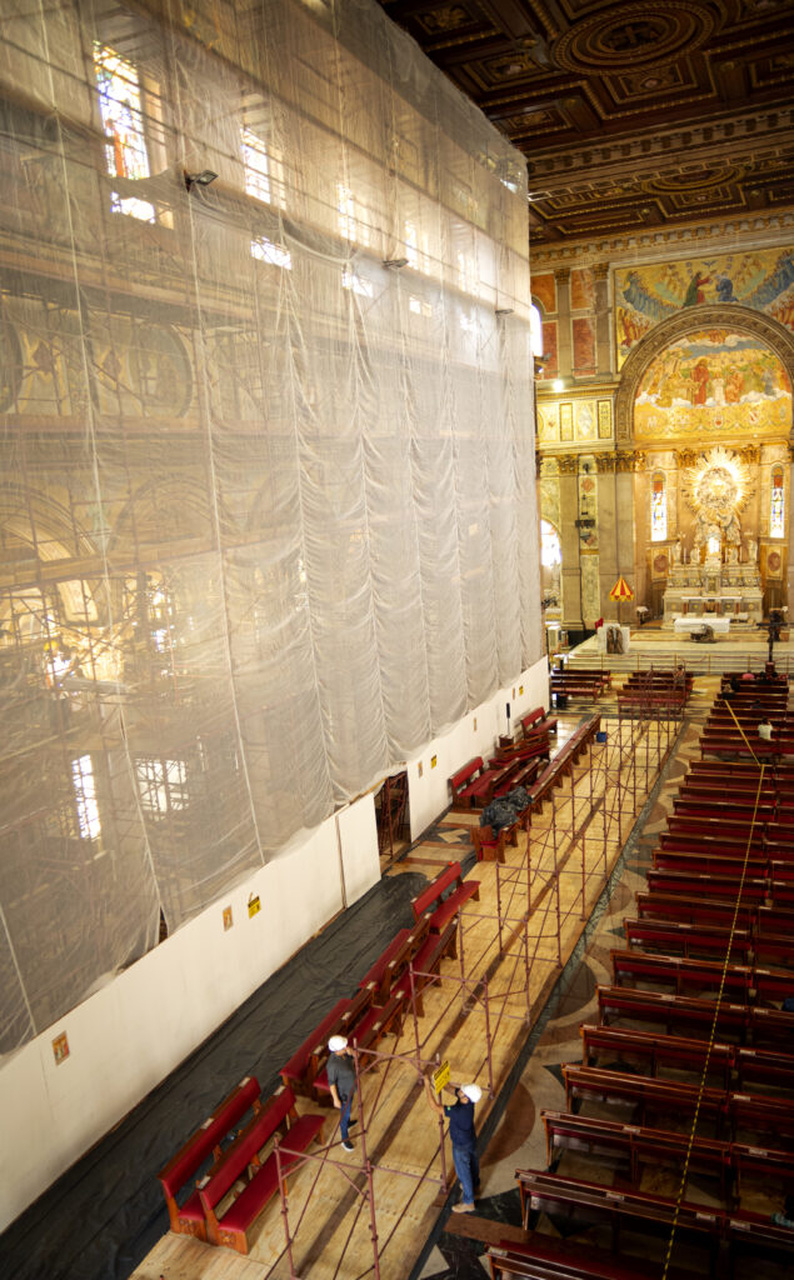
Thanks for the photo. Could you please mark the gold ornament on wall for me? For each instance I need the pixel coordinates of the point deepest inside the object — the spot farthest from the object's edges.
(717, 488)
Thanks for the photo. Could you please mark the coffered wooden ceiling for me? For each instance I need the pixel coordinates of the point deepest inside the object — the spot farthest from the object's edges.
(631, 115)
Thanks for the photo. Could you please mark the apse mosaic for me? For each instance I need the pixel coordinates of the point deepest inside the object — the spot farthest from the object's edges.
(711, 382)
(644, 296)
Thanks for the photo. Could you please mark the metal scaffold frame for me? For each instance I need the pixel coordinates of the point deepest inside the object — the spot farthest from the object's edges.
(533, 910)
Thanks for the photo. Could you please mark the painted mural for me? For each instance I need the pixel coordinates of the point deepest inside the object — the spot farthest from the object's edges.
(646, 295)
(711, 383)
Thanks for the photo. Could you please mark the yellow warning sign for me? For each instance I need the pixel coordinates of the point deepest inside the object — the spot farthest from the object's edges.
(441, 1077)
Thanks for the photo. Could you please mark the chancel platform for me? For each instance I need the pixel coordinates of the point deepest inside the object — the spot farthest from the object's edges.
(713, 591)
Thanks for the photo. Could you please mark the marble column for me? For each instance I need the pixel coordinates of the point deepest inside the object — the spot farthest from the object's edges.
(568, 467)
(607, 526)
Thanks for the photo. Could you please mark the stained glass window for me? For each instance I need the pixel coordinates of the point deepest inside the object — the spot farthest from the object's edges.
(777, 505)
(658, 508)
(121, 109)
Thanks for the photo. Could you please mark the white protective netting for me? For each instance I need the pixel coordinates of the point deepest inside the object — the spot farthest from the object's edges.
(267, 506)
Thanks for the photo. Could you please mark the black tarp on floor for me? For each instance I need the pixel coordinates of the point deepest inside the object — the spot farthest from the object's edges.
(101, 1218)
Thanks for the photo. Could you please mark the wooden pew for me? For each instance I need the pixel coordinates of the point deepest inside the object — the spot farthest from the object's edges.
(469, 784)
(538, 720)
(280, 1116)
(475, 786)
(545, 1257)
(781, 775)
(638, 1146)
(724, 844)
(682, 908)
(735, 830)
(750, 983)
(756, 889)
(655, 1051)
(578, 686)
(730, 1111)
(760, 919)
(646, 1094)
(423, 966)
(747, 945)
(711, 864)
(736, 1066)
(708, 807)
(302, 1069)
(771, 1028)
(188, 1218)
(490, 847)
(562, 764)
(763, 1066)
(444, 897)
(594, 1202)
(377, 977)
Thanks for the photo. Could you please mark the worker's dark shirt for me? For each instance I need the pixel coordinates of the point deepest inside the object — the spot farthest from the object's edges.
(342, 1073)
(461, 1124)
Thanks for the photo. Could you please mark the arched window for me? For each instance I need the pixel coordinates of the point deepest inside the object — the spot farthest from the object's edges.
(777, 505)
(658, 507)
(535, 331)
(550, 550)
(550, 566)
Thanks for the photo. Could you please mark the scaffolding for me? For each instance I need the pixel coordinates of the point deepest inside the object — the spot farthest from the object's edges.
(512, 946)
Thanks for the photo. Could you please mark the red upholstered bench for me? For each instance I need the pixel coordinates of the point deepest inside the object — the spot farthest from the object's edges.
(364, 1030)
(468, 783)
(300, 1071)
(280, 1115)
(379, 974)
(426, 962)
(188, 1218)
(443, 909)
(538, 720)
(475, 786)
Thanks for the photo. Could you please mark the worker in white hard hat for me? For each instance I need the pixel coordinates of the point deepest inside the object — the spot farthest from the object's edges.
(460, 1114)
(342, 1083)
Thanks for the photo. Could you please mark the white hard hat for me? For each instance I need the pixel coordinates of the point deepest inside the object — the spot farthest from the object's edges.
(336, 1043)
(472, 1091)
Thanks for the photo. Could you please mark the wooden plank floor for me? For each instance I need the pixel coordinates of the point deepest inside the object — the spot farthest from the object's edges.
(328, 1207)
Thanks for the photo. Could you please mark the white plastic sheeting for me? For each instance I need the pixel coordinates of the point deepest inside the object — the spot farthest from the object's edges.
(267, 505)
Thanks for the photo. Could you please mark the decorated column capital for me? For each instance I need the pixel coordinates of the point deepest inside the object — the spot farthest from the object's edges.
(567, 463)
(605, 461)
(634, 461)
(686, 457)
